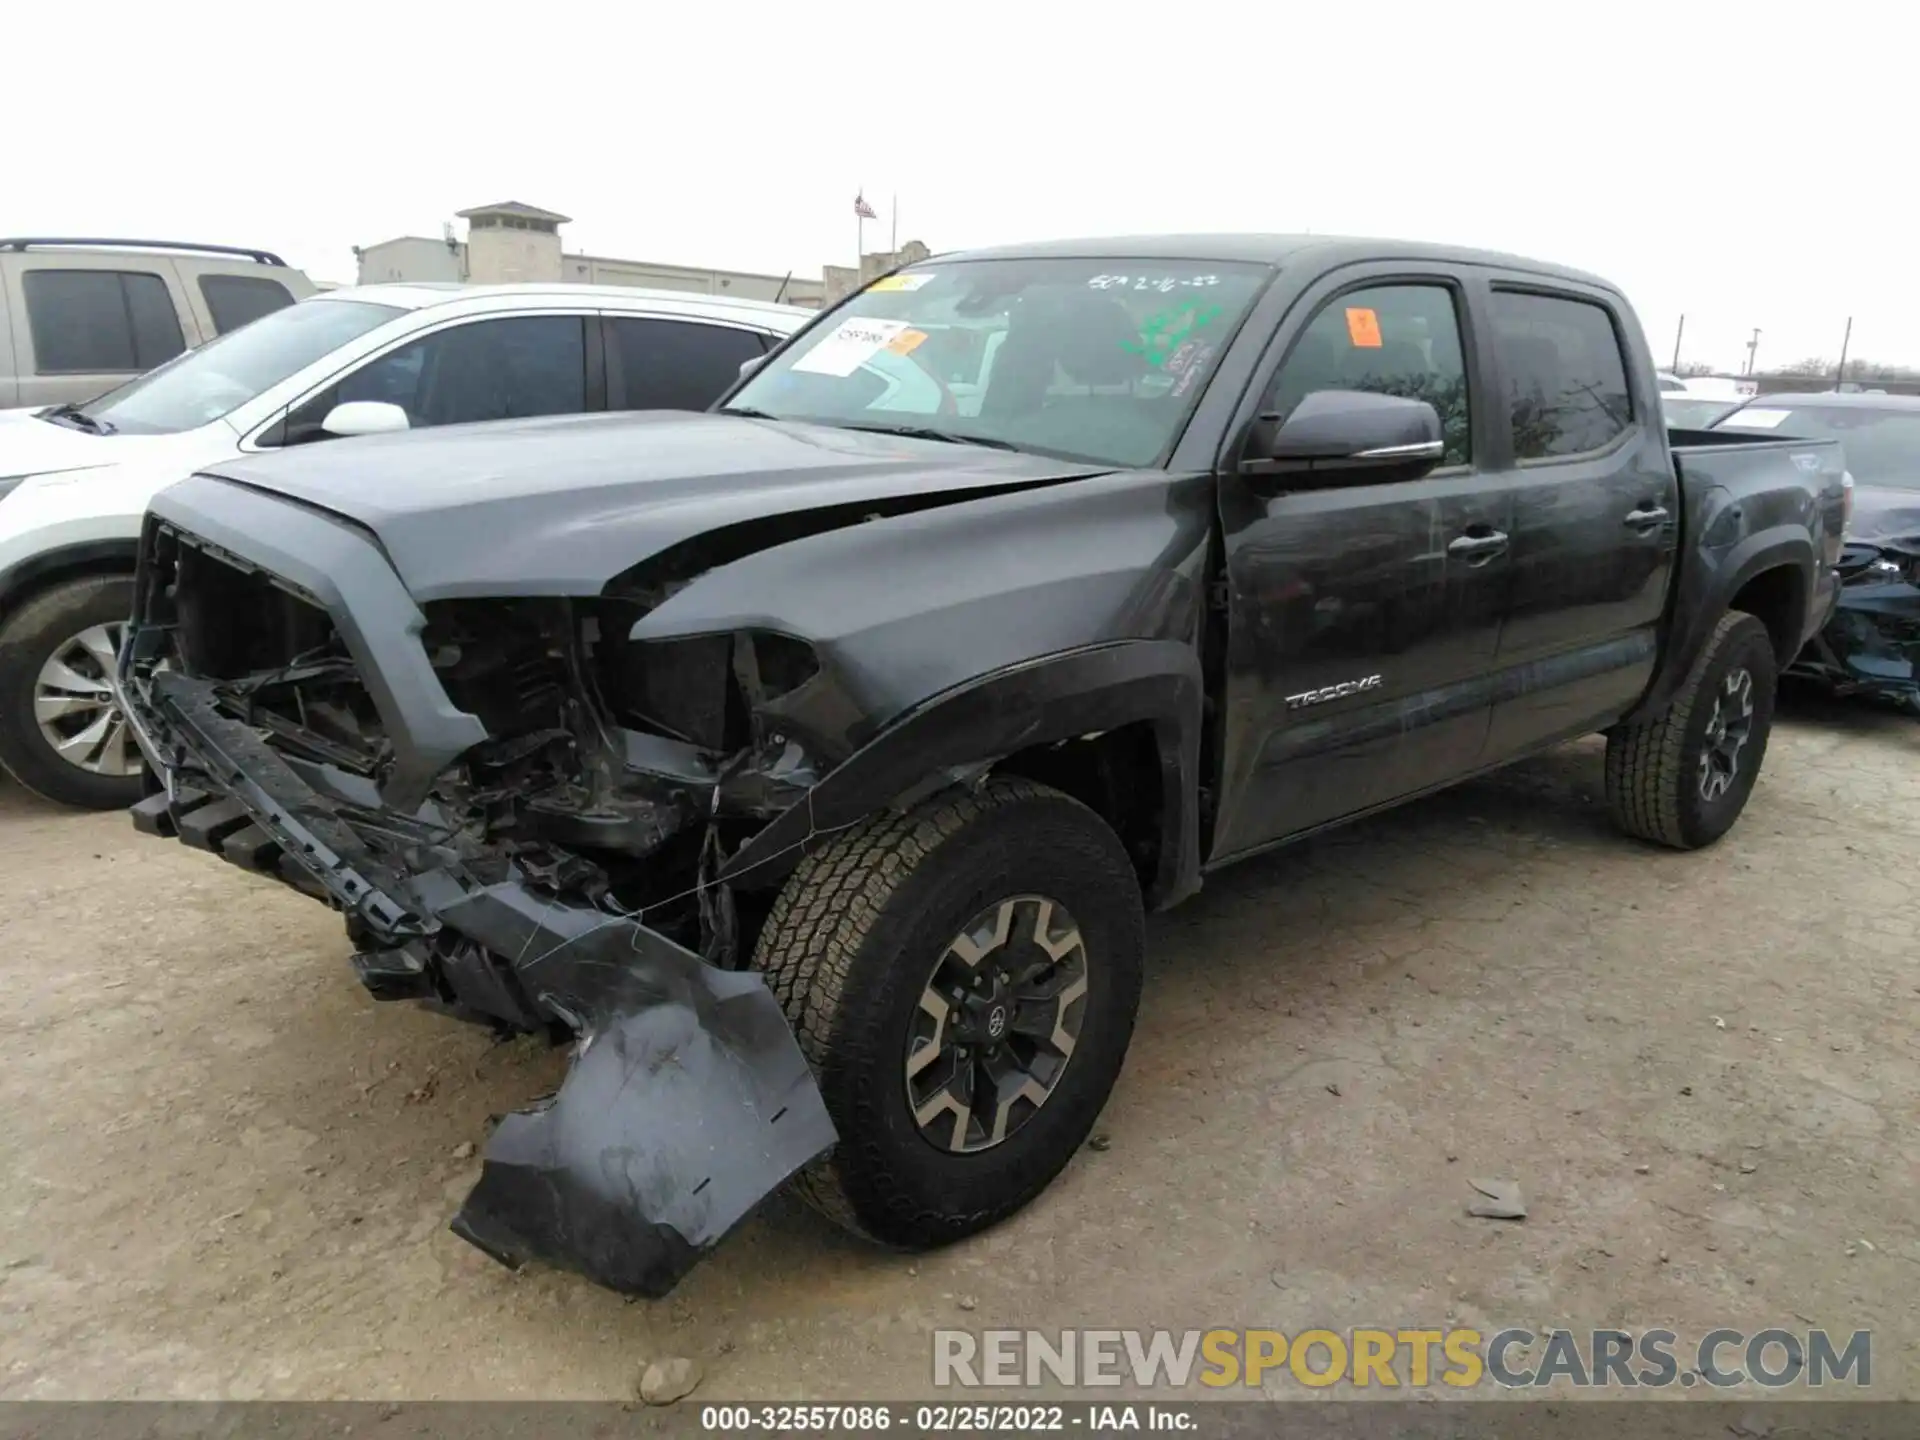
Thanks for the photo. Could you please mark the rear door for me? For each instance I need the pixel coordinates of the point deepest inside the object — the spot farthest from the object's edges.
(657, 363)
(84, 323)
(1362, 619)
(1595, 513)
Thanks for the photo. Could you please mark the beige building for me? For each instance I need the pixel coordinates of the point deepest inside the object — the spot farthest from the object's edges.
(512, 242)
(839, 281)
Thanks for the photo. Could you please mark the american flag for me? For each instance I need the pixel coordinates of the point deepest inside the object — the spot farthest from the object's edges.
(863, 209)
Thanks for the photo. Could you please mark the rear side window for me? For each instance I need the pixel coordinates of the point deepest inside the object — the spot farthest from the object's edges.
(1566, 375)
(676, 364)
(234, 300)
(87, 322)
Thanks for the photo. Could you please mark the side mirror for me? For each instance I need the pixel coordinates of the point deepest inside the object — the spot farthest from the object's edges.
(365, 417)
(747, 367)
(1346, 437)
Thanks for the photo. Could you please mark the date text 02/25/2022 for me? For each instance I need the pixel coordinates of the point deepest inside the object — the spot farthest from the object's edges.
(946, 1419)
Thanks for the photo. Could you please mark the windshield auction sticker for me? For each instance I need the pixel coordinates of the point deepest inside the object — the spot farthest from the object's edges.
(855, 341)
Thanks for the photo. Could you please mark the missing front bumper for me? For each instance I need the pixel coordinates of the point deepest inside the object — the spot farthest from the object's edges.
(688, 1101)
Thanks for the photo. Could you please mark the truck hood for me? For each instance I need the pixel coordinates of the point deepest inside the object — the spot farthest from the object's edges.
(562, 506)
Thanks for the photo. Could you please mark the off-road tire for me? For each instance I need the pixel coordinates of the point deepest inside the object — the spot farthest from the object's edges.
(1653, 789)
(848, 948)
(30, 635)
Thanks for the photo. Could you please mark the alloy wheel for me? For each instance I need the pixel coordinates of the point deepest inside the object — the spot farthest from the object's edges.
(997, 1023)
(1728, 729)
(73, 704)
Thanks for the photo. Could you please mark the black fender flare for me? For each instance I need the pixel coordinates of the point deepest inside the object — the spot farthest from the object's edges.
(85, 557)
(1056, 697)
(1707, 593)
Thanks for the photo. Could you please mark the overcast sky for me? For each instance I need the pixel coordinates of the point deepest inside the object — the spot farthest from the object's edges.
(1710, 158)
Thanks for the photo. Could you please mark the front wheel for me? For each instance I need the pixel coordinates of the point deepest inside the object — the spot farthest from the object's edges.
(1683, 779)
(963, 980)
(60, 732)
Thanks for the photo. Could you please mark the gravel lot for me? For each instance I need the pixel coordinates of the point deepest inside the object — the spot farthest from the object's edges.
(228, 1171)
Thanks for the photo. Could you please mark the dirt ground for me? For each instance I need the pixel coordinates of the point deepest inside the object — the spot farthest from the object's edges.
(225, 1172)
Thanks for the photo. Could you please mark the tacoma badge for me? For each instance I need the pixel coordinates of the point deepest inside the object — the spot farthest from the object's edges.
(1332, 692)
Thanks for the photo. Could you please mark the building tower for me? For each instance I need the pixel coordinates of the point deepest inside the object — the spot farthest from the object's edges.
(511, 243)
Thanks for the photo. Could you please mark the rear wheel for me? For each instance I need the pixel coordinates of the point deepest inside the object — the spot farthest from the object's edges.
(963, 980)
(1683, 779)
(60, 732)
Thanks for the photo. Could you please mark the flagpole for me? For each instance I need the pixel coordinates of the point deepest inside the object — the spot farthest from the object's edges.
(893, 242)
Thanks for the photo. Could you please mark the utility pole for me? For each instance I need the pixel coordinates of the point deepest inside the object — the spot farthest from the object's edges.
(1753, 350)
(1676, 343)
(1840, 378)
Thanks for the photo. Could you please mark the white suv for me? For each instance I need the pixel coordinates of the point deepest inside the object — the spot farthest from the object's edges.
(75, 479)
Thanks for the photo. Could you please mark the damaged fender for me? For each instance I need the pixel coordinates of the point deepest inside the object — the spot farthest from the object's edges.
(1060, 697)
(1871, 644)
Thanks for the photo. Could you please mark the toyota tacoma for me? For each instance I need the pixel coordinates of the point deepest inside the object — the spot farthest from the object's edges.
(809, 766)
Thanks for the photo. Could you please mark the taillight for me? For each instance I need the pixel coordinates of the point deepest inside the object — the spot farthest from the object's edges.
(1846, 499)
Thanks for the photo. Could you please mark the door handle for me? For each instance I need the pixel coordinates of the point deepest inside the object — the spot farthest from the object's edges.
(1477, 548)
(1646, 518)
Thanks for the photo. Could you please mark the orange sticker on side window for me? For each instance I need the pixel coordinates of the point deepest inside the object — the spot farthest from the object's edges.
(1363, 328)
(907, 341)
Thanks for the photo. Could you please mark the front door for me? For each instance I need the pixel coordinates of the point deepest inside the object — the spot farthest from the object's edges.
(496, 367)
(1362, 619)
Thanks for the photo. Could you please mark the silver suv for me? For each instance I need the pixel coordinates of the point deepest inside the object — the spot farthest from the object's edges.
(78, 317)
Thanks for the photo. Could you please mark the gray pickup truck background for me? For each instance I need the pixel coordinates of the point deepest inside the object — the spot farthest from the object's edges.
(810, 767)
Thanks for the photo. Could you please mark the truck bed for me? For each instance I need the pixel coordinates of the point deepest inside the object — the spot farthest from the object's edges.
(1750, 467)
(1741, 493)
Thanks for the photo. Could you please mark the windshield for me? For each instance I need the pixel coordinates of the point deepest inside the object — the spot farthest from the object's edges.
(1882, 446)
(202, 385)
(1093, 359)
(1685, 412)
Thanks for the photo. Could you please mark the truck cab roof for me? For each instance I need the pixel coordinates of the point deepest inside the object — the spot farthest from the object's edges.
(1325, 251)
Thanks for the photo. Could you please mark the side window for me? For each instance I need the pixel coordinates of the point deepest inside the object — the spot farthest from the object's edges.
(1566, 377)
(487, 370)
(677, 365)
(1390, 339)
(233, 300)
(91, 321)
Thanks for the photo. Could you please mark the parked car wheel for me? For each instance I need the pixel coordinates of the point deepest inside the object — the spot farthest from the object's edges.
(963, 979)
(60, 733)
(1683, 779)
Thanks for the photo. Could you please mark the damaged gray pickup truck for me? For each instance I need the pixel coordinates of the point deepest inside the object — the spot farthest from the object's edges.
(810, 766)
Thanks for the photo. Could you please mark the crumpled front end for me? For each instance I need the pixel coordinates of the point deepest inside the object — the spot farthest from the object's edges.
(1871, 644)
(504, 844)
